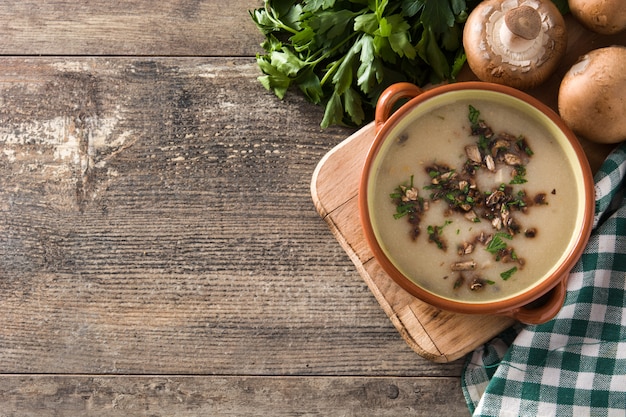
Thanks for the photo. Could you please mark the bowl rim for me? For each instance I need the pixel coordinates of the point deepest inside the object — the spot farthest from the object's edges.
(499, 306)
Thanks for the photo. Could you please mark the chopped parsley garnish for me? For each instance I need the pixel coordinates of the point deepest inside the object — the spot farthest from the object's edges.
(509, 273)
(461, 194)
(405, 202)
(520, 175)
(474, 114)
(521, 142)
(497, 244)
(434, 235)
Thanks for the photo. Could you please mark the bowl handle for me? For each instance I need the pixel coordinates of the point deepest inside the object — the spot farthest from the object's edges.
(388, 99)
(544, 308)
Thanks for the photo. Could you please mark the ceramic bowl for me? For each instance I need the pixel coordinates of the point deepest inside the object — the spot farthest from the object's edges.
(473, 275)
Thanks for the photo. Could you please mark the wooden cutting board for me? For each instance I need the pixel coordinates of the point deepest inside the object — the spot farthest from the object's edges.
(435, 334)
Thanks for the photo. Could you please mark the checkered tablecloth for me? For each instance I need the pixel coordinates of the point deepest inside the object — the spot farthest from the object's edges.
(574, 365)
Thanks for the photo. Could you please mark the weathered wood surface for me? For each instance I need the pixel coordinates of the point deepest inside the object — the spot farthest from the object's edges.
(236, 396)
(156, 217)
(159, 250)
(129, 27)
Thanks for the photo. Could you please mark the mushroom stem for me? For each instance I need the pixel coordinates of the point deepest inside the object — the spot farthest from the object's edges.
(523, 21)
(522, 26)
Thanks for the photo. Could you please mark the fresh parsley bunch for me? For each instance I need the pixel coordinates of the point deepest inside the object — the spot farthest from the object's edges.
(343, 53)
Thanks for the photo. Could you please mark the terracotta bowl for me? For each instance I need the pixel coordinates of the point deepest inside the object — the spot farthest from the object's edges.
(469, 261)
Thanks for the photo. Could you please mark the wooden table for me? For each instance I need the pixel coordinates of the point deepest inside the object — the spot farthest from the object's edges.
(160, 254)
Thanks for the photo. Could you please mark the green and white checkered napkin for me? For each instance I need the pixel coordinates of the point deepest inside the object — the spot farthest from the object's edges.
(574, 365)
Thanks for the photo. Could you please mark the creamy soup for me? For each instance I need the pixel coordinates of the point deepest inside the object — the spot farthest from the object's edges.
(475, 200)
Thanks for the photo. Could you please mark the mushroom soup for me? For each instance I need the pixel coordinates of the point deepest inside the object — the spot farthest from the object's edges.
(475, 200)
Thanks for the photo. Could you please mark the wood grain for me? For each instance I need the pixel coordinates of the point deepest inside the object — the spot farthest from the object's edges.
(42, 396)
(129, 27)
(155, 217)
(159, 251)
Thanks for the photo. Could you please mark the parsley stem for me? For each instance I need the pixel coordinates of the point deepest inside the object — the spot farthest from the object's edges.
(379, 9)
(331, 51)
(331, 70)
(271, 15)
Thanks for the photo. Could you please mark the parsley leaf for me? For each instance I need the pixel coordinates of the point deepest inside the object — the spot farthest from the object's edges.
(509, 273)
(497, 244)
(343, 53)
(520, 175)
(474, 115)
(438, 15)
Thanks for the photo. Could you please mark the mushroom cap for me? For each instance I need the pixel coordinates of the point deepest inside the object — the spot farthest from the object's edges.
(606, 17)
(497, 54)
(592, 95)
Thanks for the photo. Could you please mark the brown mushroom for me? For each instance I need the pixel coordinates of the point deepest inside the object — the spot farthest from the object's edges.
(606, 17)
(592, 95)
(515, 42)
